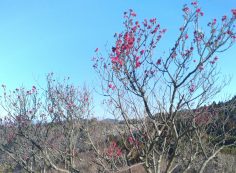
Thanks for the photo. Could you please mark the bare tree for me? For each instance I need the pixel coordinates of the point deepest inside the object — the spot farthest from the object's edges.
(164, 100)
(42, 130)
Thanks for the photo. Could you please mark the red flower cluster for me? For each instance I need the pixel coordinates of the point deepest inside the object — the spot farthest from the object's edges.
(201, 67)
(113, 150)
(132, 13)
(111, 86)
(116, 60)
(186, 9)
(224, 18)
(128, 47)
(32, 91)
(158, 62)
(192, 88)
(214, 60)
(133, 141)
(198, 36)
(194, 3)
(199, 12)
(234, 12)
(142, 52)
(124, 44)
(137, 62)
(186, 36)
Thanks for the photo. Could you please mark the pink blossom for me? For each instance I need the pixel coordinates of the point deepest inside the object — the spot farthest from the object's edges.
(186, 36)
(133, 14)
(192, 88)
(137, 62)
(114, 150)
(194, 3)
(212, 62)
(114, 144)
(213, 31)
(214, 22)
(110, 152)
(200, 67)
(158, 62)
(142, 52)
(33, 89)
(116, 60)
(164, 31)
(96, 50)
(154, 31)
(229, 32)
(118, 152)
(234, 12)
(186, 9)
(111, 86)
(174, 54)
(131, 140)
(224, 18)
(153, 21)
(145, 23)
(199, 12)
(129, 41)
(134, 28)
(233, 37)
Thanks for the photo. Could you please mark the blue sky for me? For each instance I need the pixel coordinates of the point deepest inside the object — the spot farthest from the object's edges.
(42, 36)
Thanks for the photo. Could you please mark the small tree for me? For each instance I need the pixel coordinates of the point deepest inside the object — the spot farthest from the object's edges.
(168, 96)
(44, 131)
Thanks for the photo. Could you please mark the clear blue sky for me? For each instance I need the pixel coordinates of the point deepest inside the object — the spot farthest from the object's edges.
(41, 36)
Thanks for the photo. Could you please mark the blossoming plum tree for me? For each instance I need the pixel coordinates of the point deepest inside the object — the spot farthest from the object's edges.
(168, 95)
(43, 130)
